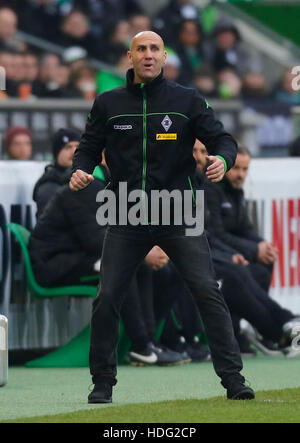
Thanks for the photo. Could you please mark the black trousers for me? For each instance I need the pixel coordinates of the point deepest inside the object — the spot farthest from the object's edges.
(133, 317)
(124, 248)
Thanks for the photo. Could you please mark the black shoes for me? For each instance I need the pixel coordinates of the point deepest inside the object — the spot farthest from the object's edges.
(194, 349)
(237, 390)
(102, 393)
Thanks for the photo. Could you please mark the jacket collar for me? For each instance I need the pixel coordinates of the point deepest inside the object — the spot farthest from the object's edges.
(136, 87)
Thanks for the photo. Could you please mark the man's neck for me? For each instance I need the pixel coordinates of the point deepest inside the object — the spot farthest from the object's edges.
(139, 81)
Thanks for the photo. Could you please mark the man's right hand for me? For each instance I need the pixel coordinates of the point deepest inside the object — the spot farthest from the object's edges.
(267, 253)
(80, 180)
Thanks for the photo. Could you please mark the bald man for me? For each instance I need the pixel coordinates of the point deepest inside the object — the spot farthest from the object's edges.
(148, 128)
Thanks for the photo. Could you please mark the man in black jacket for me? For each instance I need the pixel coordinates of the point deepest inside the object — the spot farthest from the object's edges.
(231, 224)
(132, 123)
(245, 298)
(66, 242)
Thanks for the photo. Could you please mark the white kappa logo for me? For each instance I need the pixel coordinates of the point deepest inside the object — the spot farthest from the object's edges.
(123, 127)
(166, 123)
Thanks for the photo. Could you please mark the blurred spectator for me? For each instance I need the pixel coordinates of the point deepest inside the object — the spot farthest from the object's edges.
(17, 143)
(230, 84)
(31, 67)
(25, 75)
(230, 222)
(227, 49)
(70, 219)
(200, 155)
(243, 295)
(189, 47)
(75, 58)
(48, 66)
(8, 28)
(294, 148)
(7, 62)
(169, 18)
(106, 80)
(138, 22)
(64, 144)
(53, 77)
(103, 14)
(172, 66)
(75, 31)
(205, 82)
(284, 92)
(82, 84)
(117, 39)
(39, 17)
(254, 86)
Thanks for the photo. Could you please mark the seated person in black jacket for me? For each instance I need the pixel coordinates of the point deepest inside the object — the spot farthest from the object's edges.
(66, 245)
(231, 224)
(67, 241)
(244, 296)
(64, 144)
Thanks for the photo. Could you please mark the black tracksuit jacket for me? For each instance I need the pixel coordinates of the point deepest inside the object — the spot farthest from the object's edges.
(148, 131)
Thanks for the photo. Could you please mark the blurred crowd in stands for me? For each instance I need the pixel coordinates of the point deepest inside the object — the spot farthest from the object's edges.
(207, 54)
(90, 40)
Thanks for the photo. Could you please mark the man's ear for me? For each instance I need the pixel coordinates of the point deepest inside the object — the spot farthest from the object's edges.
(129, 56)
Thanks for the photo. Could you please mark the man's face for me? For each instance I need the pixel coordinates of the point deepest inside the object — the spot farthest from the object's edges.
(200, 153)
(226, 39)
(76, 25)
(65, 156)
(147, 56)
(8, 24)
(238, 173)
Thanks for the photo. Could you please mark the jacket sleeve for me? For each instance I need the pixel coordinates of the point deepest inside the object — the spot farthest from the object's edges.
(80, 213)
(88, 155)
(249, 248)
(220, 251)
(210, 131)
(247, 230)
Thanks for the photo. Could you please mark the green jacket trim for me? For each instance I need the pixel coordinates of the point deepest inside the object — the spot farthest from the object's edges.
(148, 115)
(98, 173)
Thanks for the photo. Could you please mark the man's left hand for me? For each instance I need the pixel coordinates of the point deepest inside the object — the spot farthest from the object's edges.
(216, 170)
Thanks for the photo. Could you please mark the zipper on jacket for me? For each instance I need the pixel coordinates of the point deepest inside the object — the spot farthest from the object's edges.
(144, 144)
